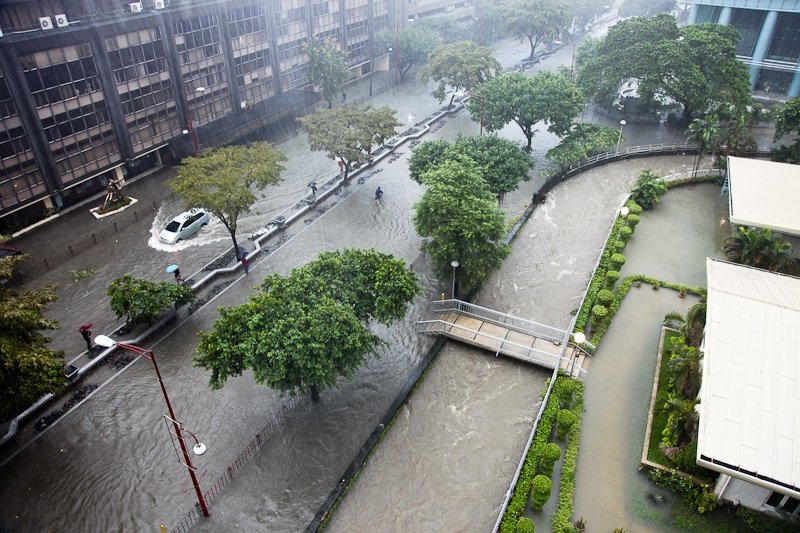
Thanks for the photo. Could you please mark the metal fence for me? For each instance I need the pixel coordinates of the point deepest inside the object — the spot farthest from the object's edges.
(79, 247)
(227, 476)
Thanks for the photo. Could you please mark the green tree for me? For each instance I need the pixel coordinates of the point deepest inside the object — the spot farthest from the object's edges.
(787, 121)
(761, 248)
(222, 180)
(463, 66)
(28, 368)
(501, 162)
(142, 301)
(647, 190)
(704, 133)
(302, 332)
(695, 65)
(459, 218)
(327, 66)
(348, 133)
(409, 47)
(736, 138)
(581, 141)
(546, 97)
(538, 21)
(681, 426)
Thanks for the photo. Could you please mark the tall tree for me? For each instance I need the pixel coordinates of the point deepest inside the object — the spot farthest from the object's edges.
(462, 66)
(538, 21)
(140, 300)
(459, 218)
(327, 67)
(348, 133)
(684, 367)
(787, 122)
(582, 140)
(695, 65)
(501, 162)
(28, 368)
(409, 47)
(302, 332)
(546, 97)
(704, 133)
(222, 180)
(647, 190)
(761, 248)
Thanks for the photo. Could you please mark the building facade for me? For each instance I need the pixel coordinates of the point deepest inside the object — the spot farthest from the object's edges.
(770, 41)
(98, 89)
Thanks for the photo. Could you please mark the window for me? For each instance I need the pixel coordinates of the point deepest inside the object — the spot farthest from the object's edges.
(783, 503)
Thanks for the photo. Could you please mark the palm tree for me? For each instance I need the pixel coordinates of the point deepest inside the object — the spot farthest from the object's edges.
(682, 421)
(695, 324)
(703, 132)
(684, 367)
(761, 248)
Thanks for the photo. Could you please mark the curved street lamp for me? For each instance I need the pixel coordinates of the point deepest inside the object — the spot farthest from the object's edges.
(621, 125)
(199, 448)
(455, 265)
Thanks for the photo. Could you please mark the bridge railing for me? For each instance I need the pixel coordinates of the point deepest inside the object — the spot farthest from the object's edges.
(489, 342)
(510, 321)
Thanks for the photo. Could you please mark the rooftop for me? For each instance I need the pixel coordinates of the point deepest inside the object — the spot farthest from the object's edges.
(764, 194)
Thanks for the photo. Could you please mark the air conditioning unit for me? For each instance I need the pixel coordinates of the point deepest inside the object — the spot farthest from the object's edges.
(61, 21)
(45, 23)
(136, 7)
(160, 4)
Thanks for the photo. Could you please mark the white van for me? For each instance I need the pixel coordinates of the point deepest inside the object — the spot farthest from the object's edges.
(184, 226)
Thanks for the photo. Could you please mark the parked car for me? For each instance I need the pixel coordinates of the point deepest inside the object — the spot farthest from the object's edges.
(184, 226)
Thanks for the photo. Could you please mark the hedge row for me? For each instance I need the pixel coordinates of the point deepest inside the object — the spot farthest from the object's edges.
(563, 387)
(561, 518)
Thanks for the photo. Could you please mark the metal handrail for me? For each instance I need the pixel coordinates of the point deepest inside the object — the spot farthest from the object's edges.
(522, 325)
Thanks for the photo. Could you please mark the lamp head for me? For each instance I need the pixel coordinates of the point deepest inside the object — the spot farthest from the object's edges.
(622, 122)
(579, 337)
(624, 211)
(199, 448)
(454, 264)
(104, 341)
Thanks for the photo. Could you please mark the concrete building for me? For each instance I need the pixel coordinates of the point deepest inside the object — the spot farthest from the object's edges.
(95, 89)
(750, 399)
(770, 43)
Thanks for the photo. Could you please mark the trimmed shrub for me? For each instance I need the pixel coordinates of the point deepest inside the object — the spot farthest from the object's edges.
(540, 491)
(648, 189)
(525, 525)
(605, 297)
(634, 208)
(551, 453)
(564, 422)
(617, 260)
(625, 233)
(619, 245)
(632, 220)
(611, 278)
(599, 311)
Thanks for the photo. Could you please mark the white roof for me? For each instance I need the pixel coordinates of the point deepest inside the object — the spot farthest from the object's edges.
(750, 396)
(764, 194)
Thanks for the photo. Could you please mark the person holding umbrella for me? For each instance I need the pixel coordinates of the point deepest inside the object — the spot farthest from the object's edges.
(86, 333)
(175, 270)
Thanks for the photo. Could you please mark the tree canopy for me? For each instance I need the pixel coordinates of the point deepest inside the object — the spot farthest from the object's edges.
(139, 300)
(28, 368)
(761, 248)
(221, 180)
(546, 97)
(538, 21)
(787, 122)
(327, 66)
(301, 332)
(463, 66)
(460, 220)
(695, 65)
(501, 162)
(582, 140)
(409, 46)
(348, 133)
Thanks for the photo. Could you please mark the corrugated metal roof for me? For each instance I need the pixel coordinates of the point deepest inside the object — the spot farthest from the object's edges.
(764, 194)
(750, 398)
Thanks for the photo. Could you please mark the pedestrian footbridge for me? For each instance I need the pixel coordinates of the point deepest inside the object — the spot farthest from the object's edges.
(507, 335)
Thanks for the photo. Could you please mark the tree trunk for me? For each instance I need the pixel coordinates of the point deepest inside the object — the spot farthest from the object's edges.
(533, 49)
(235, 244)
(529, 146)
(314, 393)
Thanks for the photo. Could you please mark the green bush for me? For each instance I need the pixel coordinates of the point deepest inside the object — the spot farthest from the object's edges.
(564, 509)
(611, 278)
(633, 208)
(699, 498)
(605, 297)
(617, 260)
(540, 491)
(566, 419)
(619, 245)
(647, 190)
(687, 460)
(525, 525)
(551, 453)
(625, 233)
(632, 220)
(599, 311)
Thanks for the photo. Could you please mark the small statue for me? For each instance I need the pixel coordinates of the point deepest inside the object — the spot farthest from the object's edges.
(113, 191)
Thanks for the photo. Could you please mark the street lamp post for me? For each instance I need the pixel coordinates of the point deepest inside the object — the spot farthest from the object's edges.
(578, 338)
(107, 342)
(454, 264)
(190, 124)
(621, 125)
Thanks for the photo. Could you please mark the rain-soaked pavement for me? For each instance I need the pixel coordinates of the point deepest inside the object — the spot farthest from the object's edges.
(115, 470)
